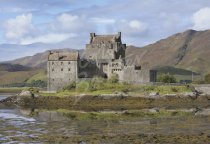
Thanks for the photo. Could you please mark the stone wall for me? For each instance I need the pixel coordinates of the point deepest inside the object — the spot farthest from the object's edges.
(130, 74)
(105, 51)
(61, 73)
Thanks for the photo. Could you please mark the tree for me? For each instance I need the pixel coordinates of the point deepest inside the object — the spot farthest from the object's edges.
(207, 78)
(166, 78)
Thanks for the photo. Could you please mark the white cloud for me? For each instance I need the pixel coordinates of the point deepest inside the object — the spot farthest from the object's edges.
(201, 19)
(71, 23)
(102, 20)
(19, 27)
(132, 28)
(138, 25)
(48, 38)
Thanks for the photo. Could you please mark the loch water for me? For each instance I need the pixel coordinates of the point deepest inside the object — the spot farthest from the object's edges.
(26, 125)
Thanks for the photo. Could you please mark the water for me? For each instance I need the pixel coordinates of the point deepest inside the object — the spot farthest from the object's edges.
(26, 125)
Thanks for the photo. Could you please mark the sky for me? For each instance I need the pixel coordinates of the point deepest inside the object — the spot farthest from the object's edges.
(68, 23)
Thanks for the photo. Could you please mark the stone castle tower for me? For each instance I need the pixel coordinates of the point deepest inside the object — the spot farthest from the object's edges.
(103, 56)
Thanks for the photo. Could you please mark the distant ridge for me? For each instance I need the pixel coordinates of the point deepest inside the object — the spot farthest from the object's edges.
(188, 50)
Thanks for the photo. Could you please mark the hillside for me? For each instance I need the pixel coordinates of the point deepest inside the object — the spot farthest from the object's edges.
(12, 68)
(189, 50)
(38, 60)
(18, 75)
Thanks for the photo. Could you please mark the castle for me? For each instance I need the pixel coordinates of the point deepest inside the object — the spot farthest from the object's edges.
(103, 57)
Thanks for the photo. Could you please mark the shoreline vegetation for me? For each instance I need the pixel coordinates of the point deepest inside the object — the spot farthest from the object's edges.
(108, 101)
(102, 94)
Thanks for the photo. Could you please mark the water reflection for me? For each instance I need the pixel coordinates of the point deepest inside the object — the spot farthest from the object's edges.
(29, 125)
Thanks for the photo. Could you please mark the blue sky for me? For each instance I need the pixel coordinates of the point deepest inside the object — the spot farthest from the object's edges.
(67, 23)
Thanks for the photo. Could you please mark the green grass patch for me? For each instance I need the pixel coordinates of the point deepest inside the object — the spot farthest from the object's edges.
(162, 113)
(121, 88)
(99, 86)
(40, 75)
(12, 90)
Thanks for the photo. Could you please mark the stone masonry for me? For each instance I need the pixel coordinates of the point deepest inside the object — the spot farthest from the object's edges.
(103, 56)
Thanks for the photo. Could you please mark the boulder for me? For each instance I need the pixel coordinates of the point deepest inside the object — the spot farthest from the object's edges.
(203, 112)
(154, 110)
(154, 94)
(186, 94)
(202, 89)
(26, 93)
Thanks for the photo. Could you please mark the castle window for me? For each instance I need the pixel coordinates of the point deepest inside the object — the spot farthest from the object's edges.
(69, 69)
(62, 69)
(69, 63)
(137, 67)
(52, 79)
(53, 69)
(52, 63)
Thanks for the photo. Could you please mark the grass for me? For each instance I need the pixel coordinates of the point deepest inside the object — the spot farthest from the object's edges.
(105, 87)
(115, 115)
(12, 90)
(40, 75)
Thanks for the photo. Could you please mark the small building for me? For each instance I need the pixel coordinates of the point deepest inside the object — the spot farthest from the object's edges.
(103, 56)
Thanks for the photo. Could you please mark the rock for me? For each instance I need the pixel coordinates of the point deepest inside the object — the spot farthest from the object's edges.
(189, 94)
(154, 110)
(203, 112)
(25, 93)
(205, 89)
(154, 94)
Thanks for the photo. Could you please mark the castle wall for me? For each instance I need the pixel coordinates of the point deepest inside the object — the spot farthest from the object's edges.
(94, 51)
(104, 56)
(60, 73)
(90, 69)
(130, 74)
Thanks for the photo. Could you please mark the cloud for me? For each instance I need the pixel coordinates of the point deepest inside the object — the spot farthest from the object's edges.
(48, 38)
(21, 30)
(131, 28)
(19, 27)
(102, 20)
(201, 19)
(71, 24)
(137, 25)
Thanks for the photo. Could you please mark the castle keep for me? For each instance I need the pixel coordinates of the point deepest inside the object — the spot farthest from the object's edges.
(103, 56)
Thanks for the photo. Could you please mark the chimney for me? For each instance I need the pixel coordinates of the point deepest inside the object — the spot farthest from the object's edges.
(119, 34)
(92, 35)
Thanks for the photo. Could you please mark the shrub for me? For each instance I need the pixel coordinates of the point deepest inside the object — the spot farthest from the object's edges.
(207, 78)
(167, 78)
(70, 86)
(83, 86)
(33, 90)
(38, 83)
(174, 89)
(97, 83)
(114, 78)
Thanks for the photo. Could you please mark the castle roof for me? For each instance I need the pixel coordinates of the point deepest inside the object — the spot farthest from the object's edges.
(98, 39)
(63, 56)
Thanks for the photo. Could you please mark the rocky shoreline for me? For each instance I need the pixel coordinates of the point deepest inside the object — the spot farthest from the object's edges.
(110, 102)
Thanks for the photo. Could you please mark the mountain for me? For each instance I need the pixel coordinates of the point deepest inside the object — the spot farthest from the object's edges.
(189, 50)
(18, 74)
(12, 68)
(37, 60)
